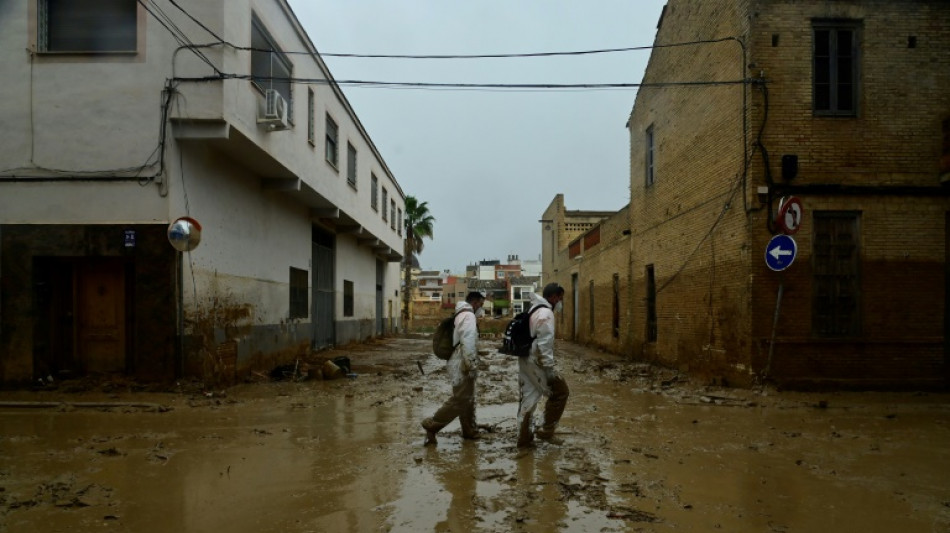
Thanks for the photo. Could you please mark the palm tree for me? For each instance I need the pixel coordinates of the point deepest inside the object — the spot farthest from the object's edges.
(418, 223)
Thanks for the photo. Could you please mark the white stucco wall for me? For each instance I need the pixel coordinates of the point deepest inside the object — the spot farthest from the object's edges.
(86, 113)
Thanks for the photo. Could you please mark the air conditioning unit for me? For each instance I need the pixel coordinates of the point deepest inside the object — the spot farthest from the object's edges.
(274, 113)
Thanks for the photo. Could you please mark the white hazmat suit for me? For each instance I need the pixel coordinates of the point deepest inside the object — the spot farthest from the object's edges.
(538, 376)
(462, 369)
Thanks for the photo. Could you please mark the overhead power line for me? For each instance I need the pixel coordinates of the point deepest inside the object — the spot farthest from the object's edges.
(431, 85)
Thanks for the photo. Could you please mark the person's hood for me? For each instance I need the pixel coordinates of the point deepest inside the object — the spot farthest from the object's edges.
(536, 299)
(463, 306)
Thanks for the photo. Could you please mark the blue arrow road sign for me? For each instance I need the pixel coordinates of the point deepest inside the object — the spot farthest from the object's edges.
(780, 253)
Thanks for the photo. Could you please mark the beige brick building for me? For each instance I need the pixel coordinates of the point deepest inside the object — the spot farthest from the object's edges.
(842, 105)
(588, 253)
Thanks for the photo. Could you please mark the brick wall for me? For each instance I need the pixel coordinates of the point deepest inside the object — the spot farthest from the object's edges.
(704, 231)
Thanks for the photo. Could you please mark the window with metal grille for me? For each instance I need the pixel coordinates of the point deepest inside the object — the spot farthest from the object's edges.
(835, 55)
(270, 68)
(298, 293)
(351, 165)
(392, 214)
(87, 26)
(651, 305)
(347, 298)
(836, 276)
(385, 204)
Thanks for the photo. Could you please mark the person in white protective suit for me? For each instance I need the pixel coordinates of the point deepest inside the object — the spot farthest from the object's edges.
(537, 373)
(462, 368)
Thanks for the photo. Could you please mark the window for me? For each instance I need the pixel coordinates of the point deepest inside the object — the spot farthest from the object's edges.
(835, 68)
(351, 165)
(331, 143)
(836, 274)
(615, 308)
(392, 214)
(590, 306)
(96, 26)
(270, 68)
(385, 199)
(347, 298)
(651, 305)
(373, 196)
(650, 156)
(298, 293)
(311, 128)
(399, 224)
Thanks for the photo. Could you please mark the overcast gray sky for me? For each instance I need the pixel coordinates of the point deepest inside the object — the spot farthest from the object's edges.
(488, 162)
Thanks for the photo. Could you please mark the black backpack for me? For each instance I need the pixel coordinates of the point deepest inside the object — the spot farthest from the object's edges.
(442, 345)
(517, 340)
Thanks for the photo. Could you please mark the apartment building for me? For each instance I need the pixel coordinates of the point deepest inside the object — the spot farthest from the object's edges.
(221, 112)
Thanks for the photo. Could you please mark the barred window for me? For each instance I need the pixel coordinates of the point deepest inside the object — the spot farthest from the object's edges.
(836, 310)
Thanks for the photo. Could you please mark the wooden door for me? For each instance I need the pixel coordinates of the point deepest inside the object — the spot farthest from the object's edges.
(100, 312)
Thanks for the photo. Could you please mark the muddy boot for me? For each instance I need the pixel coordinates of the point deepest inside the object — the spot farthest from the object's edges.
(470, 431)
(431, 429)
(546, 433)
(525, 435)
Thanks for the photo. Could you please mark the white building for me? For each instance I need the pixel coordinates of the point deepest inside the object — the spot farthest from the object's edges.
(117, 126)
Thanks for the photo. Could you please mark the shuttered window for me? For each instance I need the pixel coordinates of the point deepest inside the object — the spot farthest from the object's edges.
(92, 26)
(351, 165)
(331, 142)
(836, 310)
(373, 198)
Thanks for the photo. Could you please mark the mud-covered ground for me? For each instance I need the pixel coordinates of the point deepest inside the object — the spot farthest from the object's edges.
(644, 450)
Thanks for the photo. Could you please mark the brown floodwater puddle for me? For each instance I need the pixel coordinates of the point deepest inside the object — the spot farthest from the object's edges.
(347, 456)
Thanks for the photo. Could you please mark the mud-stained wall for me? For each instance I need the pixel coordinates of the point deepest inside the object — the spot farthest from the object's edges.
(702, 229)
(902, 305)
(688, 223)
(151, 293)
(228, 332)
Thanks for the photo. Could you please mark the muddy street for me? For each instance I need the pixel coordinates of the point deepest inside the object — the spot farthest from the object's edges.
(643, 450)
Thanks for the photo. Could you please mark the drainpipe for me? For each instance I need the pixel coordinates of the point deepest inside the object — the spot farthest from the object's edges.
(180, 319)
